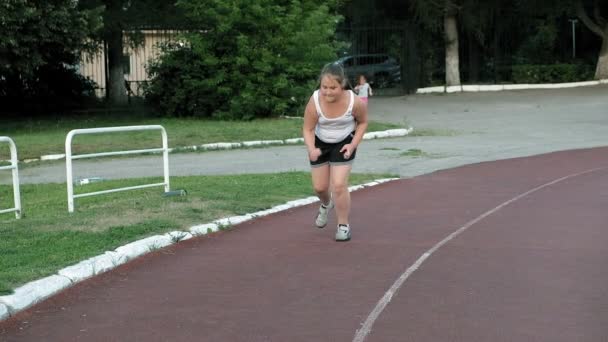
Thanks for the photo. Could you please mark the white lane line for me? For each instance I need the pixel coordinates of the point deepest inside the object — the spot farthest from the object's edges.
(366, 327)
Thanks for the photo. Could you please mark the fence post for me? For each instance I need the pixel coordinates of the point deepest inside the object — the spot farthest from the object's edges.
(15, 173)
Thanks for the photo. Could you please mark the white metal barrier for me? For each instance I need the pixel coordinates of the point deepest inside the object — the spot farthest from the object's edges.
(15, 168)
(69, 157)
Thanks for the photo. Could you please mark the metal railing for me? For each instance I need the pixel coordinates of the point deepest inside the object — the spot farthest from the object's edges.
(15, 168)
(69, 157)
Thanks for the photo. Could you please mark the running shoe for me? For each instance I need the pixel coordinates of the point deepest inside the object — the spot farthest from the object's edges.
(324, 210)
(343, 232)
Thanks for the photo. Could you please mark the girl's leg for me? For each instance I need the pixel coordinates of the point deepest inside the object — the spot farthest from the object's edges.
(320, 182)
(341, 195)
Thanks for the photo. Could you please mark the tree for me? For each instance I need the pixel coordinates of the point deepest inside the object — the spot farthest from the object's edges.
(443, 14)
(484, 23)
(40, 39)
(598, 24)
(452, 59)
(247, 58)
(120, 16)
(592, 14)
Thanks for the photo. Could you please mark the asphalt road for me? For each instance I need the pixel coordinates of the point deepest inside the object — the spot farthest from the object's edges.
(449, 130)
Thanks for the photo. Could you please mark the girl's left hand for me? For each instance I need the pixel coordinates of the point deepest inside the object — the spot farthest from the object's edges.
(347, 150)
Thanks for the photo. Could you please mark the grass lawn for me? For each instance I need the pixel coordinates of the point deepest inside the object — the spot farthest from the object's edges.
(35, 138)
(48, 238)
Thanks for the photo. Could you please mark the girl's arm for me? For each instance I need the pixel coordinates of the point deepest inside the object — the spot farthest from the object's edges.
(360, 114)
(308, 129)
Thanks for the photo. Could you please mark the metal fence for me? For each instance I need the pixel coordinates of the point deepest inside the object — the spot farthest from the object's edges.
(69, 157)
(385, 54)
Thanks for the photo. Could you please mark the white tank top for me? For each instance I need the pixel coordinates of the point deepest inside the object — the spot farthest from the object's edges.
(337, 129)
(364, 90)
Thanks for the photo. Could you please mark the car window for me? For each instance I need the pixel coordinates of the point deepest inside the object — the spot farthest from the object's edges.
(367, 60)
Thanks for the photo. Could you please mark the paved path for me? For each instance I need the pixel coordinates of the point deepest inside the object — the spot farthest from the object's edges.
(512, 250)
(463, 128)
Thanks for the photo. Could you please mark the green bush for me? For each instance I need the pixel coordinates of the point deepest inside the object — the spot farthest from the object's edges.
(55, 88)
(248, 59)
(41, 43)
(554, 73)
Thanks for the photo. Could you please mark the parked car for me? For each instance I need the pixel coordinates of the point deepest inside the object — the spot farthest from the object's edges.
(381, 70)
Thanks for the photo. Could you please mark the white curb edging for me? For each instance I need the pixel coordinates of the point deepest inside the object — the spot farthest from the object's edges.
(234, 145)
(134, 249)
(38, 290)
(203, 229)
(52, 157)
(34, 292)
(500, 87)
(177, 236)
(3, 311)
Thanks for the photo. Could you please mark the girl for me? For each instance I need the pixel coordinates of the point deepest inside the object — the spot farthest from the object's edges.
(363, 89)
(334, 123)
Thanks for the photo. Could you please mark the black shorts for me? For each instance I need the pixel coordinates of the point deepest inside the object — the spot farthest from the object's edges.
(330, 153)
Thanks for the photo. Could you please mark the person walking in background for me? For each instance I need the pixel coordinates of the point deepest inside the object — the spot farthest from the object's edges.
(363, 89)
(334, 123)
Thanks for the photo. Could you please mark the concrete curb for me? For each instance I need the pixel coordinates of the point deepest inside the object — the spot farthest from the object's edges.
(4, 311)
(501, 87)
(34, 292)
(38, 290)
(246, 144)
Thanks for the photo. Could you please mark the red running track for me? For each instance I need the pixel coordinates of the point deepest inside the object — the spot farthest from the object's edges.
(526, 261)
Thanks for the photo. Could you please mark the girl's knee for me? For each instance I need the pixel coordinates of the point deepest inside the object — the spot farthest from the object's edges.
(339, 188)
(321, 188)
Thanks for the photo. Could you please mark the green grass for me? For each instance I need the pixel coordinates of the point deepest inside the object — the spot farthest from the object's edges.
(35, 138)
(432, 132)
(48, 238)
(413, 152)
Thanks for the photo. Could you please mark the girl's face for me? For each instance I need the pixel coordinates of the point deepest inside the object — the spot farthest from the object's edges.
(362, 80)
(331, 89)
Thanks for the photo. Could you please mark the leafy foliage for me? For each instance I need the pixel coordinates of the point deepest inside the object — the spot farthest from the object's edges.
(40, 44)
(249, 58)
(539, 45)
(553, 73)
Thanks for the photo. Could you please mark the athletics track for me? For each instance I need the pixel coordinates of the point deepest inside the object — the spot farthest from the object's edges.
(510, 250)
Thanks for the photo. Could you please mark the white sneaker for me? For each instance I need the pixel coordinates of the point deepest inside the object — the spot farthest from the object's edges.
(321, 219)
(343, 233)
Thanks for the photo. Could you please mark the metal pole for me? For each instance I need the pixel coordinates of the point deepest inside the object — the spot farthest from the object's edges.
(16, 192)
(573, 21)
(165, 158)
(68, 169)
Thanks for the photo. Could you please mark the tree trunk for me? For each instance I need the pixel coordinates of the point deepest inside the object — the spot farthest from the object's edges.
(117, 92)
(601, 71)
(452, 72)
(599, 27)
(410, 59)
